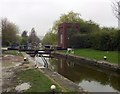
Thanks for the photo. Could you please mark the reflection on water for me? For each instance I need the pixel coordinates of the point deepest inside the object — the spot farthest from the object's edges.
(94, 86)
(90, 78)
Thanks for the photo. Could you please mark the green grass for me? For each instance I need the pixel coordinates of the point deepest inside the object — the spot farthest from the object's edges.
(38, 81)
(112, 56)
(13, 52)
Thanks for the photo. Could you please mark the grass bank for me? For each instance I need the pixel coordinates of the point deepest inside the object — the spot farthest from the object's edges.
(112, 56)
(12, 52)
(38, 81)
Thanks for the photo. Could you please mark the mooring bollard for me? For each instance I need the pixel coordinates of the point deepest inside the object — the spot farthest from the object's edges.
(105, 58)
(25, 59)
(53, 87)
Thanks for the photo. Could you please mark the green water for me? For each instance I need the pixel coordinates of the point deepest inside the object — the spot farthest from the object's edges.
(90, 78)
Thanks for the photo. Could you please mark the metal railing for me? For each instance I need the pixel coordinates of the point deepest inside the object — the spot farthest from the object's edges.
(44, 60)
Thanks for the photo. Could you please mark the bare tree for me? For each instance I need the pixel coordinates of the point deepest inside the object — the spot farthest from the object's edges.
(116, 8)
(116, 11)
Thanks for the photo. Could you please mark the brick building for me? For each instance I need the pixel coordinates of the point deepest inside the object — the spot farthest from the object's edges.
(63, 30)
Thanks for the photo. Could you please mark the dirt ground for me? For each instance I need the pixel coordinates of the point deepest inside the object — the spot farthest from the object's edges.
(11, 61)
(10, 65)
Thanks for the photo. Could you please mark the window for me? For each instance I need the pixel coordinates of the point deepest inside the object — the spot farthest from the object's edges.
(61, 38)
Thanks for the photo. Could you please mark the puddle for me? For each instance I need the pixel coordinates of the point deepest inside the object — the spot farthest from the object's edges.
(23, 86)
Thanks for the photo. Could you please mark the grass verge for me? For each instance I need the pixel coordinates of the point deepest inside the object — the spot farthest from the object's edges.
(112, 56)
(11, 52)
(38, 81)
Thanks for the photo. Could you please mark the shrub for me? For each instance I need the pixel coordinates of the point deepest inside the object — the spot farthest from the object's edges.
(80, 41)
(104, 40)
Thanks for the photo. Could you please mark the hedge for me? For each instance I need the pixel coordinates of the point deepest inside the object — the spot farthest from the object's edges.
(102, 40)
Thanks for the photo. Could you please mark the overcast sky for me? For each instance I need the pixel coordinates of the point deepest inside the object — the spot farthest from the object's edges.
(41, 14)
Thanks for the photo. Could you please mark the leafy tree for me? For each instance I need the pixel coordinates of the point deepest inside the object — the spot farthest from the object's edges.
(33, 38)
(89, 27)
(71, 17)
(24, 38)
(105, 40)
(9, 32)
(50, 39)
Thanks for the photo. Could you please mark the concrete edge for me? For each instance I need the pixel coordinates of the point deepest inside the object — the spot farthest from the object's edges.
(92, 62)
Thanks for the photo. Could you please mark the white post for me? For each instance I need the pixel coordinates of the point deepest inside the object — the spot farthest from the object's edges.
(53, 87)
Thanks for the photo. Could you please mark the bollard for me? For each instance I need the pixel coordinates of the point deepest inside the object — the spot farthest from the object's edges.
(25, 59)
(53, 87)
(105, 58)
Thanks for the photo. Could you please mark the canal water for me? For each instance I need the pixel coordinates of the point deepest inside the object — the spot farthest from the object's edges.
(90, 78)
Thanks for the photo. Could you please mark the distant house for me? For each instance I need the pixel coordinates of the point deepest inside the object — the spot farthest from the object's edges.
(63, 30)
